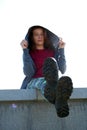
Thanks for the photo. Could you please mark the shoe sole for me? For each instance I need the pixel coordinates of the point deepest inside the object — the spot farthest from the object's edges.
(50, 70)
(63, 92)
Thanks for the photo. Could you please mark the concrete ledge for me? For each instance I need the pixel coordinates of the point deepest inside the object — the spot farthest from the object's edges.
(27, 110)
(79, 93)
(17, 95)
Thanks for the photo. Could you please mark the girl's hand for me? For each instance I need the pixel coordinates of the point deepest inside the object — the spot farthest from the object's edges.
(24, 44)
(61, 43)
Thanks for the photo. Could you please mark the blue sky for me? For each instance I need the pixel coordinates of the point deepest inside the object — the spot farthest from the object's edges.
(68, 19)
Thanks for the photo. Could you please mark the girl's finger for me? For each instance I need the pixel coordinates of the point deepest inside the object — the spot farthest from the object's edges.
(60, 38)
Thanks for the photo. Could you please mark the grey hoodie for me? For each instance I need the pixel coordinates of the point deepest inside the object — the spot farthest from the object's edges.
(28, 64)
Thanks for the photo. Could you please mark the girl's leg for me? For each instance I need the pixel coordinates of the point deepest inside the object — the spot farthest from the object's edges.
(63, 93)
(50, 72)
(40, 84)
(57, 91)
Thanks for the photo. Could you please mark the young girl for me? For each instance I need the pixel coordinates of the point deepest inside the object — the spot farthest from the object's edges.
(43, 58)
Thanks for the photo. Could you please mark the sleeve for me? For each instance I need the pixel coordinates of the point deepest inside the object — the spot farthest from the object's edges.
(60, 57)
(28, 64)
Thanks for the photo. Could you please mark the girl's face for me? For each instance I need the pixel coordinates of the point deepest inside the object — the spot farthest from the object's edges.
(38, 37)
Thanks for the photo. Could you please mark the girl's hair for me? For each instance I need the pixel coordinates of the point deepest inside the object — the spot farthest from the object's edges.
(47, 42)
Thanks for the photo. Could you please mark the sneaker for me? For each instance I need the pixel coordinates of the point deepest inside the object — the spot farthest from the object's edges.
(50, 72)
(63, 93)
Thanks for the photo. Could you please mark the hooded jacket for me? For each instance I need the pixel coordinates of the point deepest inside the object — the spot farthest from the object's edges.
(27, 60)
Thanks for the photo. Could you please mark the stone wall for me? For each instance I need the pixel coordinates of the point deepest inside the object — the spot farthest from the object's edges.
(28, 110)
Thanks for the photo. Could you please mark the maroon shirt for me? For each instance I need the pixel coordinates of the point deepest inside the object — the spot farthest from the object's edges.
(39, 57)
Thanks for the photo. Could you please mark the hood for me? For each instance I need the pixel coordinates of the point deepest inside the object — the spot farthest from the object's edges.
(54, 39)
